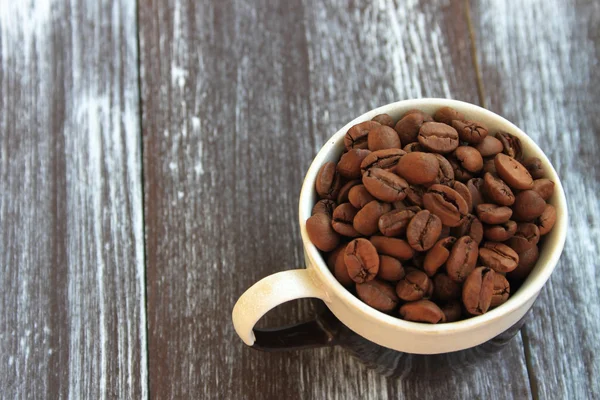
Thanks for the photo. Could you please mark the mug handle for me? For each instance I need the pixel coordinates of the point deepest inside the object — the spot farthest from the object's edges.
(270, 292)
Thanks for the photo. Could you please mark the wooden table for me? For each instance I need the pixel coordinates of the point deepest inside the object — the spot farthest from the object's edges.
(152, 156)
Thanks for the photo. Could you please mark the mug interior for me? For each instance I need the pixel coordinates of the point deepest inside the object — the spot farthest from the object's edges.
(549, 253)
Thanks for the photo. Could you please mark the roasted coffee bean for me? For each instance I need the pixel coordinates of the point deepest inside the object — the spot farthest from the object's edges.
(422, 311)
(470, 226)
(337, 265)
(418, 168)
(462, 259)
(452, 311)
(478, 290)
(469, 158)
(366, 219)
(392, 247)
(445, 174)
(501, 291)
(513, 172)
(444, 288)
(547, 220)
(321, 233)
(493, 214)
(415, 146)
(489, 146)
(528, 205)
(357, 136)
(343, 216)
(470, 131)
(446, 203)
(438, 137)
(501, 232)
(384, 185)
(328, 182)
(534, 166)
(511, 145)
(377, 294)
(426, 117)
(345, 191)
(408, 127)
(460, 174)
(383, 137)
(489, 166)
(464, 192)
(544, 187)
(359, 196)
(349, 164)
(384, 119)
(324, 206)
(394, 223)
(362, 260)
(447, 115)
(423, 230)
(497, 190)
(385, 159)
(527, 261)
(437, 255)
(475, 187)
(414, 286)
(390, 269)
(526, 236)
(414, 195)
(498, 257)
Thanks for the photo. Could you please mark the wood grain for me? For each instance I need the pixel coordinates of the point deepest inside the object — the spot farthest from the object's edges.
(72, 310)
(237, 98)
(539, 66)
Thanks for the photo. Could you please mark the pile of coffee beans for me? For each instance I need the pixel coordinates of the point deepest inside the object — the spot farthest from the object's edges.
(432, 219)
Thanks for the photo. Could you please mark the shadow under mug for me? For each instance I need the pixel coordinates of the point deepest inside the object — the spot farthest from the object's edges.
(378, 339)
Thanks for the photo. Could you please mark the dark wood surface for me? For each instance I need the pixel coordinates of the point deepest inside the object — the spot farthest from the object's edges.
(152, 157)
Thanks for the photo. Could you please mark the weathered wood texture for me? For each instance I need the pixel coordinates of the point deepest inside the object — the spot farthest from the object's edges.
(72, 306)
(539, 65)
(237, 98)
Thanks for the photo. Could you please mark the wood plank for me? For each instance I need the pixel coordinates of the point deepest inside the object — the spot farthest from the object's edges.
(538, 62)
(237, 98)
(72, 311)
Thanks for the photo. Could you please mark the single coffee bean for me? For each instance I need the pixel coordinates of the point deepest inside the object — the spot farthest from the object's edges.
(511, 145)
(489, 166)
(416, 146)
(423, 230)
(447, 115)
(470, 131)
(377, 294)
(513, 172)
(452, 311)
(384, 119)
(337, 265)
(324, 206)
(422, 311)
(390, 269)
(328, 182)
(501, 291)
(527, 261)
(498, 257)
(345, 190)
(394, 223)
(469, 158)
(414, 286)
(528, 206)
(462, 259)
(357, 136)
(438, 137)
(489, 146)
(362, 260)
(383, 137)
(445, 289)
(445, 174)
(408, 127)
(392, 247)
(471, 226)
(343, 216)
(547, 220)
(446, 203)
(501, 232)
(475, 187)
(460, 174)
(534, 166)
(384, 185)
(349, 164)
(418, 168)
(366, 219)
(425, 116)
(497, 190)
(526, 236)
(359, 196)
(414, 195)
(464, 192)
(544, 187)
(321, 233)
(478, 290)
(437, 255)
(493, 214)
(385, 159)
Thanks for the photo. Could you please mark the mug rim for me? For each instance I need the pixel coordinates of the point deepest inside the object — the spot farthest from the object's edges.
(529, 289)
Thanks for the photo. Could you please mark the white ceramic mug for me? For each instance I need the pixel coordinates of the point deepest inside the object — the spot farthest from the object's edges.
(387, 330)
